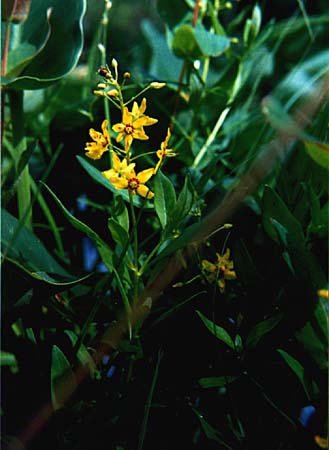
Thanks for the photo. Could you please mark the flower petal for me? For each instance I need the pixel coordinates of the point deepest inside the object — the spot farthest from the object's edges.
(118, 127)
(144, 191)
(145, 175)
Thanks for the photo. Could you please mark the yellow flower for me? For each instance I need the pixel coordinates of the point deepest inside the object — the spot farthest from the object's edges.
(123, 176)
(221, 270)
(164, 151)
(132, 124)
(96, 149)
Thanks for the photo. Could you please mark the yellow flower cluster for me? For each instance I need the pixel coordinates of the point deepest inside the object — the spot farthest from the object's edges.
(220, 271)
(122, 174)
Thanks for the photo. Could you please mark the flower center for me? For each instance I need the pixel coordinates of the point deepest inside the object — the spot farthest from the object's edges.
(133, 184)
(129, 129)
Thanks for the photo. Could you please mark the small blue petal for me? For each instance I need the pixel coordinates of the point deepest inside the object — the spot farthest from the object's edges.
(81, 204)
(101, 268)
(89, 253)
(111, 371)
(105, 359)
(306, 414)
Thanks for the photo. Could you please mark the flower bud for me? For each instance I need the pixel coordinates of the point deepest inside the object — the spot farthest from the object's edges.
(101, 86)
(114, 63)
(157, 85)
(112, 93)
(127, 75)
(99, 93)
(104, 72)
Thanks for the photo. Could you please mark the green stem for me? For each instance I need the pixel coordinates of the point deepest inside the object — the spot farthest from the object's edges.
(149, 402)
(135, 246)
(19, 142)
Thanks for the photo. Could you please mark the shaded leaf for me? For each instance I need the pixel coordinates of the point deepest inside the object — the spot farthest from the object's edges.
(298, 370)
(216, 382)
(219, 332)
(318, 151)
(103, 249)
(261, 329)
(62, 379)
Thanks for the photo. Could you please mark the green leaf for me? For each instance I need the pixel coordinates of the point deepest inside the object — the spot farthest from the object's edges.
(261, 329)
(210, 44)
(183, 205)
(210, 431)
(9, 359)
(163, 64)
(219, 332)
(118, 233)
(196, 43)
(273, 207)
(57, 54)
(62, 379)
(120, 212)
(318, 151)
(216, 382)
(21, 247)
(164, 197)
(103, 249)
(83, 355)
(298, 369)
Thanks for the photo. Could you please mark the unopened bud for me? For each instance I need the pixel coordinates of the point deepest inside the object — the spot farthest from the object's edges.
(234, 40)
(157, 85)
(228, 5)
(108, 5)
(105, 21)
(101, 48)
(112, 93)
(101, 86)
(114, 63)
(127, 75)
(99, 93)
(104, 72)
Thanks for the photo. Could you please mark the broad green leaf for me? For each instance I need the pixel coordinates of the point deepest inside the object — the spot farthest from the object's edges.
(210, 44)
(298, 370)
(216, 382)
(318, 151)
(219, 332)
(21, 247)
(163, 64)
(273, 207)
(56, 54)
(262, 329)
(62, 379)
(35, 32)
(164, 197)
(118, 233)
(103, 249)
(197, 42)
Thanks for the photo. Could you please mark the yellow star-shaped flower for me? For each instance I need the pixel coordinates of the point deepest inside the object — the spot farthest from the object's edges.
(132, 124)
(221, 270)
(164, 151)
(102, 140)
(123, 176)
